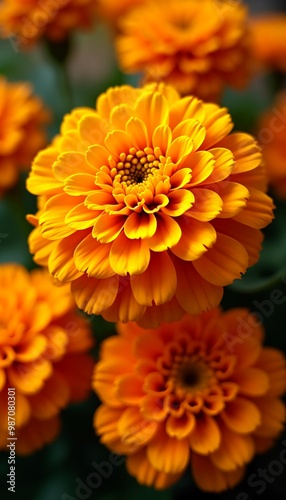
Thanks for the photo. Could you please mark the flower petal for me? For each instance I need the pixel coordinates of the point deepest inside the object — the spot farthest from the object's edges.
(134, 429)
(211, 479)
(193, 292)
(241, 415)
(129, 256)
(93, 295)
(224, 262)
(206, 436)
(196, 238)
(139, 467)
(235, 450)
(155, 284)
(92, 258)
(167, 235)
(167, 454)
(140, 225)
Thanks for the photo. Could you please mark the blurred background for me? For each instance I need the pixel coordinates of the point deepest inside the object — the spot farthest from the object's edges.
(51, 474)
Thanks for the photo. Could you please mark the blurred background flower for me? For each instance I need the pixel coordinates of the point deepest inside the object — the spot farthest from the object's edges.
(191, 391)
(44, 347)
(22, 134)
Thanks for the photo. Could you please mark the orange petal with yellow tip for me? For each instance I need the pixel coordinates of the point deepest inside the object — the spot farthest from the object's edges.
(168, 233)
(235, 450)
(125, 307)
(140, 225)
(97, 157)
(245, 150)
(193, 129)
(31, 350)
(137, 131)
(53, 219)
(153, 409)
(196, 238)
(179, 202)
(155, 284)
(152, 109)
(79, 184)
(61, 262)
(234, 197)
(162, 137)
(91, 257)
(107, 227)
(105, 422)
(92, 129)
(118, 142)
(129, 256)
(201, 165)
(218, 124)
(134, 429)
(41, 179)
(224, 262)
(186, 107)
(211, 479)
(29, 377)
(207, 205)
(129, 389)
(241, 415)
(179, 148)
(71, 163)
(105, 374)
(180, 427)
(94, 295)
(139, 466)
(168, 454)
(206, 436)
(193, 292)
(258, 212)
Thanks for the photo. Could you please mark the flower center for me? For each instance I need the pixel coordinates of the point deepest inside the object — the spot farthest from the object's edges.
(137, 166)
(192, 375)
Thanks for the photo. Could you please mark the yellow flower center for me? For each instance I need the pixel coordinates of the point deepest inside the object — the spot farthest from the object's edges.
(137, 166)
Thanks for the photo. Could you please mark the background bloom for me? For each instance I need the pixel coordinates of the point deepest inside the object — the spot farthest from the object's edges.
(272, 134)
(111, 10)
(268, 39)
(31, 19)
(155, 212)
(193, 392)
(199, 47)
(22, 117)
(43, 355)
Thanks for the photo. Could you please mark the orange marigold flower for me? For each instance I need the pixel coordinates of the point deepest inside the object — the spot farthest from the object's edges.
(269, 40)
(199, 47)
(155, 212)
(43, 344)
(192, 392)
(29, 20)
(272, 135)
(22, 117)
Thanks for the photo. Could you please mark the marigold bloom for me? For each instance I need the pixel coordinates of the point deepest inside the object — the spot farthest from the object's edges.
(272, 135)
(269, 40)
(29, 20)
(190, 392)
(199, 47)
(43, 344)
(155, 212)
(22, 117)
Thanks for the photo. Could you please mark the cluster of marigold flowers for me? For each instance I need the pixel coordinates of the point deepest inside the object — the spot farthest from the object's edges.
(148, 206)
